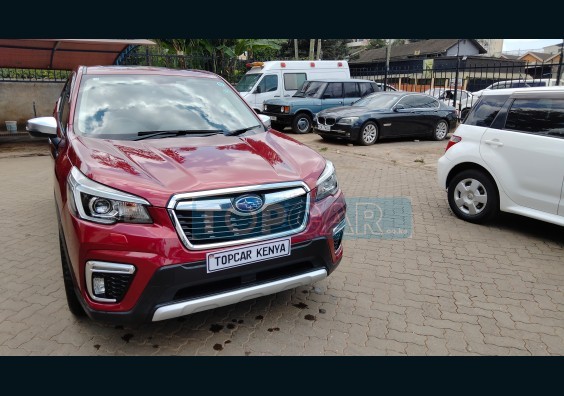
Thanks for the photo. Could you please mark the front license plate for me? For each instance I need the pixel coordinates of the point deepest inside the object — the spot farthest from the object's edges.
(254, 253)
(322, 127)
(273, 118)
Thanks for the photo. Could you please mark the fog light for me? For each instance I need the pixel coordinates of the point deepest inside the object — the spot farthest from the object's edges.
(338, 233)
(99, 286)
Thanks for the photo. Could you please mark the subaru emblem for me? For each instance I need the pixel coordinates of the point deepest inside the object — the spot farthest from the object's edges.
(248, 203)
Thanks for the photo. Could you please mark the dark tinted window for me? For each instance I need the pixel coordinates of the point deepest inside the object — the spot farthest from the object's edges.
(419, 102)
(484, 112)
(351, 90)
(333, 91)
(366, 88)
(540, 116)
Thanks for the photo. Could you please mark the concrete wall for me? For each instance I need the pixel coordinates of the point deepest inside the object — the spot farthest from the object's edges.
(16, 101)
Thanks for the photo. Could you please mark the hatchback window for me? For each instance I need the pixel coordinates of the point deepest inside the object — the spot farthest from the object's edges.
(121, 106)
(483, 113)
(539, 116)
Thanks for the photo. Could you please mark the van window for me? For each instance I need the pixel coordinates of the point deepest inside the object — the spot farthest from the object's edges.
(351, 90)
(293, 81)
(268, 84)
(539, 116)
(247, 82)
(485, 111)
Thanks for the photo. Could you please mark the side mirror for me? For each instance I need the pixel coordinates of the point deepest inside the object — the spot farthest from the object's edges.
(42, 127)
(399, 108)
(265, 120)
(258, 90)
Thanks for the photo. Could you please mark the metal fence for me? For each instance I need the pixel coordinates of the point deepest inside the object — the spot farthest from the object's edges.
(33, 75)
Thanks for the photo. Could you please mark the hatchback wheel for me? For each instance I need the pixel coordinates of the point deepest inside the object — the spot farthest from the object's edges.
(441, 130)
(473, 196)
(302, 123)
(368, 134)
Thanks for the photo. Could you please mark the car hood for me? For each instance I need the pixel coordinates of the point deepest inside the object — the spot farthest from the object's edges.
(291, 101)
(349, 111)
(155, 169)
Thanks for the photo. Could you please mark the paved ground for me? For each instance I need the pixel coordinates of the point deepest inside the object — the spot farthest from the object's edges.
(453, 288)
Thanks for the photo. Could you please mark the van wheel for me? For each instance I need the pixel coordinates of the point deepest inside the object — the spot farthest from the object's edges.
(441, 130)
(473, 196)
(276, 125)
(72, 300)
(302, 123)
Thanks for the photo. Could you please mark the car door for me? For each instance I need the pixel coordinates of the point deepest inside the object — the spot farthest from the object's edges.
(352, 93)
(524, 148)
(332, 96)
(267, 88)
(417, 117)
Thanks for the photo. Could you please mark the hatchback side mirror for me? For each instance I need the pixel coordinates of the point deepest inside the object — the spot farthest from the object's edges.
(42, 127)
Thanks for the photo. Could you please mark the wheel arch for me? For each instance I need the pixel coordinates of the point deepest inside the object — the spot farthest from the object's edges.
(470, 166)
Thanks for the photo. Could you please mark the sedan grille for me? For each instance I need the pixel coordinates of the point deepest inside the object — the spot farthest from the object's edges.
(326, 120)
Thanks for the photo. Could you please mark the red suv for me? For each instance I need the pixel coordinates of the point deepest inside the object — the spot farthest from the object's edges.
(173, 196)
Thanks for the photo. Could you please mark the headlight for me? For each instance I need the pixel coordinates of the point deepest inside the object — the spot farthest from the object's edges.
(264, 108)
(327, 183)
(101, 204)
(347, 120)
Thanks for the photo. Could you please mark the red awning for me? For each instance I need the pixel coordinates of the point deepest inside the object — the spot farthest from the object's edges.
(62, 54)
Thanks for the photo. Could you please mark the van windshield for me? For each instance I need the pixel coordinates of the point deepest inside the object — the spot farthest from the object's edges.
(311, 89)
(247, 82)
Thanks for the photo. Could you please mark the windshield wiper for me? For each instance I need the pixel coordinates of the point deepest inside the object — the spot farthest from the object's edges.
(240, 131)
(177, 132)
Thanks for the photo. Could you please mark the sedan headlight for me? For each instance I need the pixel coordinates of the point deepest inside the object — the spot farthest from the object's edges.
(95, 202)
(347, 120)
(327, 183)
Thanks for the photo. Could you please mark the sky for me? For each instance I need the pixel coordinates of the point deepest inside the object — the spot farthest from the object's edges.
(525, 44)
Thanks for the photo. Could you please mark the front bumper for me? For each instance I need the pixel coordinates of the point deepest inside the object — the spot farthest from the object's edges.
(348, 132)
(284, 119)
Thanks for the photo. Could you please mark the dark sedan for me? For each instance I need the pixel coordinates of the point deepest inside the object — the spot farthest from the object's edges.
(387, 115)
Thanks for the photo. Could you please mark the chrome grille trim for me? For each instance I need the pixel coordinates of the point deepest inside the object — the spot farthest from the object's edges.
(176, 203)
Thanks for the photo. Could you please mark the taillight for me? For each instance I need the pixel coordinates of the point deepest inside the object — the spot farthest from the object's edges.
(452, 141)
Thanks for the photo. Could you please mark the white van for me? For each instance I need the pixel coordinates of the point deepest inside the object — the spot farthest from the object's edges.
(277, 79)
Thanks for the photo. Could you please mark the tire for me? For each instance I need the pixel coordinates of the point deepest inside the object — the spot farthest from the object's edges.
(473, 196)
(441, 130)
(368, 134)
(72, 300)
(302, 123)
(276, 125)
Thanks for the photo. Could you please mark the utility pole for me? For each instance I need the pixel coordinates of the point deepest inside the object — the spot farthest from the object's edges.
(311, 48)
(319, 49)
(559, 73)
(296, 49)
(388, 52)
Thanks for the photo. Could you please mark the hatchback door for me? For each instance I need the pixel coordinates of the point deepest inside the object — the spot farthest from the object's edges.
(525, 150)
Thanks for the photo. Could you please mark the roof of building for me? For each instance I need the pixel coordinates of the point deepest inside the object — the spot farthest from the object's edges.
(418, 48)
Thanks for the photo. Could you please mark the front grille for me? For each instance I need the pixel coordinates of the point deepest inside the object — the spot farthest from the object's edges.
(273, 108)
(326, 120)
(115, 284)
(204, 227)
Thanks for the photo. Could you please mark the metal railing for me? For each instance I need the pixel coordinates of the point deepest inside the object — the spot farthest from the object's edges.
(33, 75)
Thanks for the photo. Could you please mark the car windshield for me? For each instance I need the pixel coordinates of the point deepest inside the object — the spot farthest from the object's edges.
(122, 106)
(311, 89)
(247, 82)
(378, 101)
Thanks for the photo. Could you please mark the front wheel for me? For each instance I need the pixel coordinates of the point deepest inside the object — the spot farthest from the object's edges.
(473, 196)
(302, 123)
(441, 130)
(368, 134)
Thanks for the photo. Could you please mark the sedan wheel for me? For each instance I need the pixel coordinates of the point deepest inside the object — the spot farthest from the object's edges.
(368, 134)
(472, 196)
(441, 130)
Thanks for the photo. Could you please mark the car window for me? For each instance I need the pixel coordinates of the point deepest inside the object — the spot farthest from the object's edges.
(247, 82)
(365, 88)
(539, 116)
(485, 111)
(64, 109)
(293, 81)
(333, 91)
(120, 106)
(351, 90)
(378, 101)
(419, 102)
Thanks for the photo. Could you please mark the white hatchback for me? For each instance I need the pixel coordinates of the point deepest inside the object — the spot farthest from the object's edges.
(508, 155)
